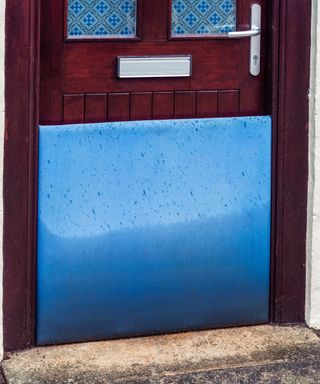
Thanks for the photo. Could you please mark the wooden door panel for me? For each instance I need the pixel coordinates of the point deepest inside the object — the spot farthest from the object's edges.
(89, 108)
(119, 107)
(154, 17)
(207, 104)
(93, 68)
(74, 73)
(228, 103)
(141, 106)
(95, 108)
(163, 105)
(73, 109)
(185, 104)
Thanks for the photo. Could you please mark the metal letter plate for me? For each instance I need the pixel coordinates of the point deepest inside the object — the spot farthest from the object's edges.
(154, 66)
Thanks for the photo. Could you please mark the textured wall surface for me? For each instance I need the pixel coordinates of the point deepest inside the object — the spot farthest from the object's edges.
(2, 12)
(313, 250)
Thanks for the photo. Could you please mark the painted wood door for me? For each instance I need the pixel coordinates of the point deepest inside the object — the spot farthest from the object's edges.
(148, 227)
(81, 40)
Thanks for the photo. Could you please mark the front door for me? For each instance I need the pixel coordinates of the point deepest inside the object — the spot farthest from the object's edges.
(155, 216)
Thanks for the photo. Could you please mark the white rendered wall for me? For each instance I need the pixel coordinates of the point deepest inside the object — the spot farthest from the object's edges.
(313, 239)
(2, 42)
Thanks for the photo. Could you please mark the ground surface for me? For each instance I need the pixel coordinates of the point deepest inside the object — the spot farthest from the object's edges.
(263, 354)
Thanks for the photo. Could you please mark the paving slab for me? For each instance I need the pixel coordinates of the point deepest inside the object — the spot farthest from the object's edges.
(260, 354)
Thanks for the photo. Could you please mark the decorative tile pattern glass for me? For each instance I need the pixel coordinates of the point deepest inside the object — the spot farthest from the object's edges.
(101, 19)
(203, 17)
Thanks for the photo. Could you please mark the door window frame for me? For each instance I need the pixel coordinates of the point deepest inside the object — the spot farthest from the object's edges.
(287, 101)
(200, 37)
(102, 39)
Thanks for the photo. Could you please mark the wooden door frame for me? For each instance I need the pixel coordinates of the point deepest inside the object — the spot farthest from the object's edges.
(287, 95)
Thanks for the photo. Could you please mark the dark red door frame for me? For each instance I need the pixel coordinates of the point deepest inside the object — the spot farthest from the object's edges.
(288, 71)
(290, 38)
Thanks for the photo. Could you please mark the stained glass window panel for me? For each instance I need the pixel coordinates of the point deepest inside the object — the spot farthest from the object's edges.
(203, 17)
(101, 19)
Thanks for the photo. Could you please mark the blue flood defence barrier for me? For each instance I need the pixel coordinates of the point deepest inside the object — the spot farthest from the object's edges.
(152, 227)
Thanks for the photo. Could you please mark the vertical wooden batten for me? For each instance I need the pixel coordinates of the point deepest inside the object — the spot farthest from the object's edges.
(289, 68)
(20, 171)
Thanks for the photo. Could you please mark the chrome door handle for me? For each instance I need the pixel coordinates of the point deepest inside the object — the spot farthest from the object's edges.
(255, 39)
(237, 34)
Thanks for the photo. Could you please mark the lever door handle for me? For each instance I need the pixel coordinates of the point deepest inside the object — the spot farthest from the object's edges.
(255, 39)
(255, 31)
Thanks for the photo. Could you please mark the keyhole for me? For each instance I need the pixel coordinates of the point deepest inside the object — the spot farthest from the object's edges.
(255, 59)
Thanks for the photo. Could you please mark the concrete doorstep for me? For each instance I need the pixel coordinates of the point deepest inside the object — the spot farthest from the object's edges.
(260, 354)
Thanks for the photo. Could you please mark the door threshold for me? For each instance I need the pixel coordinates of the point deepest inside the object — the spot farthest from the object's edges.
(195, 357)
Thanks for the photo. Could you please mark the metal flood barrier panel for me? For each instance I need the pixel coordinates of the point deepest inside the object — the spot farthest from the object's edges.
(152, 227)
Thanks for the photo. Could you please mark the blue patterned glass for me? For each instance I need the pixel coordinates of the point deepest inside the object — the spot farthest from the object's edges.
(203, 17)
(101, 19)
